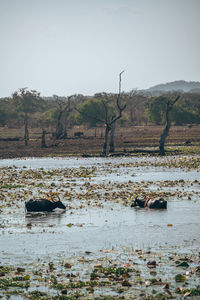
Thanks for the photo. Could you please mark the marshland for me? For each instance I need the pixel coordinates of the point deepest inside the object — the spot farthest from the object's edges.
(100, 247)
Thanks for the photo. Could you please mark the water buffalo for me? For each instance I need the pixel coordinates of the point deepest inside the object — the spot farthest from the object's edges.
(36, 205)
(159, 203)
(78, 133)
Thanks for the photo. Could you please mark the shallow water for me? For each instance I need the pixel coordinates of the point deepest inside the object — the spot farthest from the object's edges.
(98, 228)
(104, 228)
(72, 162)
(107, 168)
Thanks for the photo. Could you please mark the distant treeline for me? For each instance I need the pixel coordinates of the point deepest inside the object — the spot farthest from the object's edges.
(141, 109)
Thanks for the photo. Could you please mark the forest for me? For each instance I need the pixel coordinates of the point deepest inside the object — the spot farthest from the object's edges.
(58, 118)
(141, 109)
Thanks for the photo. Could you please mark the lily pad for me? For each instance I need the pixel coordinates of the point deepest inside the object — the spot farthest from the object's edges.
(180, 278)
(184, 264)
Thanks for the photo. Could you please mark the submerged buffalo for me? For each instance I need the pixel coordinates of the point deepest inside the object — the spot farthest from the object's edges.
(36, 205)
(150, 203)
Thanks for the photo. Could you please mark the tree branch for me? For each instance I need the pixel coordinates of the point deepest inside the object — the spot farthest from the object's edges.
(120, 109)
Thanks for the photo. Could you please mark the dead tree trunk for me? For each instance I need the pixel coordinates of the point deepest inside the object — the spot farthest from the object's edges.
(109, 124)
(106, 119)
(169, 105)
(43, 141)
(105, 144)
(112, 139)
(26, 133)
(164, 135)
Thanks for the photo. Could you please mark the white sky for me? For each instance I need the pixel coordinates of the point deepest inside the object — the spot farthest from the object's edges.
(65, 47)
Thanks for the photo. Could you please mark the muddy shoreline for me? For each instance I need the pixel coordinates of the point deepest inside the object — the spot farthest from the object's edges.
(133, 140)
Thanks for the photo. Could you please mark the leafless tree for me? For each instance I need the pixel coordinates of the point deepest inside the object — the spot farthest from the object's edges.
(169, 106)
(109, 119)
(111, 122)
(112, 138)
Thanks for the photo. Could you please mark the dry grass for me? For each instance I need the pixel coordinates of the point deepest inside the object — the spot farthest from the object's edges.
(127, 140)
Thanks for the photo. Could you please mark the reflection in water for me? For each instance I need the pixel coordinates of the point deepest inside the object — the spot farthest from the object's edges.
(108, 226)
(101, 229)
(45, 218)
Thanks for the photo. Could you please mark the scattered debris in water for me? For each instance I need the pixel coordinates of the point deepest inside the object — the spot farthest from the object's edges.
(100, 248)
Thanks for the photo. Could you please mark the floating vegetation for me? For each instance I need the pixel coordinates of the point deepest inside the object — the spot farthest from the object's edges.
(106, 273)
(159, 272)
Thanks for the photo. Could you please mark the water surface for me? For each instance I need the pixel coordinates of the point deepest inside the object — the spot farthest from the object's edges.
(95, 228)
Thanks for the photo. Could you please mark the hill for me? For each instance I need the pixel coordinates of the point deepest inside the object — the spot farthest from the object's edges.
(179, 85)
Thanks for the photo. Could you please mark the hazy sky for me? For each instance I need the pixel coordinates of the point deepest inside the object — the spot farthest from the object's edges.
(80, 46)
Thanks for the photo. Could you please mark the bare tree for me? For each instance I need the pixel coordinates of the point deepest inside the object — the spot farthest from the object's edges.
(43, 140)
(169, 106)
(108, 119)
(111, 122)
(112, 138)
